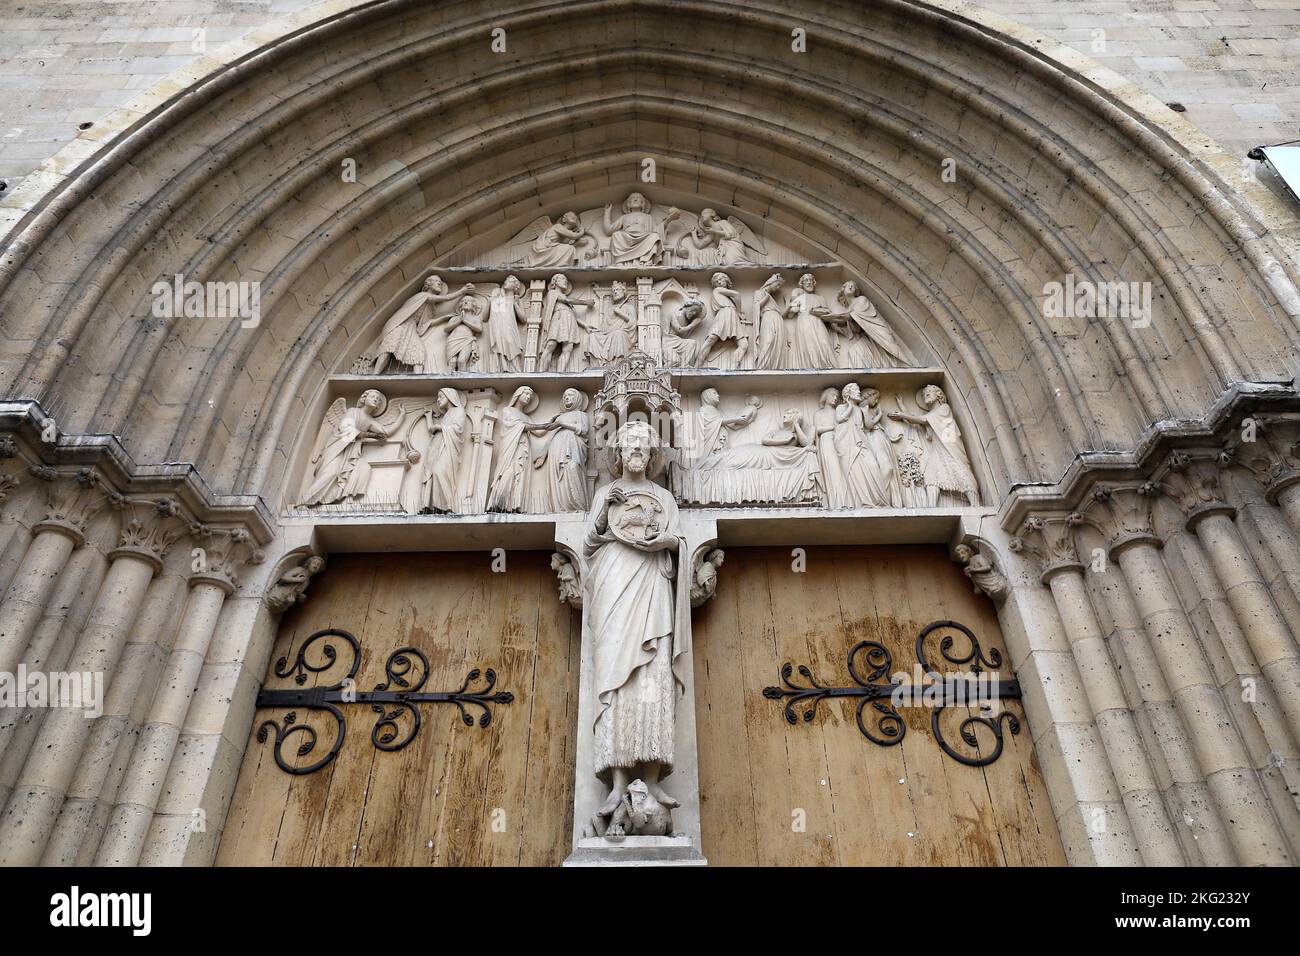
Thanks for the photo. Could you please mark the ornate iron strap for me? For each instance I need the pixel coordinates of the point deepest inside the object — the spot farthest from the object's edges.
(877, 690)
(406, 669)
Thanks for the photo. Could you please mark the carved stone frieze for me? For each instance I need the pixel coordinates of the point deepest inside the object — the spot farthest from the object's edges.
(541, 449)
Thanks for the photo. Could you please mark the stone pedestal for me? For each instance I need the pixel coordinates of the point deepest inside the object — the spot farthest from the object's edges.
(636, 851)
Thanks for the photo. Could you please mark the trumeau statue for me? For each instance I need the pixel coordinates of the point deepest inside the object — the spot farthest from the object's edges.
(636, 610)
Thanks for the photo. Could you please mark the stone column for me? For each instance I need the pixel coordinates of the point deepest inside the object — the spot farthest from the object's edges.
(148, 531)
(1196, 488)
(532, 340)
(73, 502)
(187, 824)
(1086, 801)
(152, 757)
(649, 329)
(1220, 753)
(1063, 574)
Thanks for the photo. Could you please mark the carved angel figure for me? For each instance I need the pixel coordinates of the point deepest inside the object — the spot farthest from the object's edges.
(336, 470)
(733, 241)
(946, 467)
(705, 584)
(555, 244)
(634, 237)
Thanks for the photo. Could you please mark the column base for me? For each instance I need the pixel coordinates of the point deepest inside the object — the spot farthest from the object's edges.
(636, 851)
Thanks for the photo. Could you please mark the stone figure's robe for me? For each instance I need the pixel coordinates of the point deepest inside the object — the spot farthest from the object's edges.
(811, 345)
(442, 463)
(635, 240)
(509, 491)
(340, 471)
(636, 609)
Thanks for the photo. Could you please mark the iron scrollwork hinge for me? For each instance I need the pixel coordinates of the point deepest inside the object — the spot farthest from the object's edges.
(406, 670)
(971, 687)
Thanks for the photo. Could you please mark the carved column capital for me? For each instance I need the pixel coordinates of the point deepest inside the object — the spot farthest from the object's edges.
(291, 581)
(219, 554)
(1268, 446)
(72, 500)
(150, 526)
(1193, 483)
(979, 563)
(1050, 538)
(1123, 515)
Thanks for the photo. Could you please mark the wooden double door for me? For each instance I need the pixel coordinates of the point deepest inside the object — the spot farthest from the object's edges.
(771, 794)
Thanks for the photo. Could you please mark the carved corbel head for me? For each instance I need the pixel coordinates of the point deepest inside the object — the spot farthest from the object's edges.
(979, 564)
(291, 580)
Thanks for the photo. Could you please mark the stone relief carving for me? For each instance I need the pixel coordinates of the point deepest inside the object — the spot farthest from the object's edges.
(705, 576)
(337, 470)
(465, 451)
(290, 587)
(570, 583)
(640, 232)
(636, 605)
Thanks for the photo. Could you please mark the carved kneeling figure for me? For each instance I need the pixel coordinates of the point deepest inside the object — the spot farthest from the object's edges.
(637, 814)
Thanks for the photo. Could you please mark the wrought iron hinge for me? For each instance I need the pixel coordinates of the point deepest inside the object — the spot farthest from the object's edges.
(406, 668)
(973, 687)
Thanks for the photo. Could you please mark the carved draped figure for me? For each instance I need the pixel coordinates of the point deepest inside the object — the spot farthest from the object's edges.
(503, 344)
(636, 241)
(442, 463)
(566, 462)
(769, 349)
(871, 343)
(636, 605)
(864, 483)
(511, 477)
(811, 345)
(835, 491)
